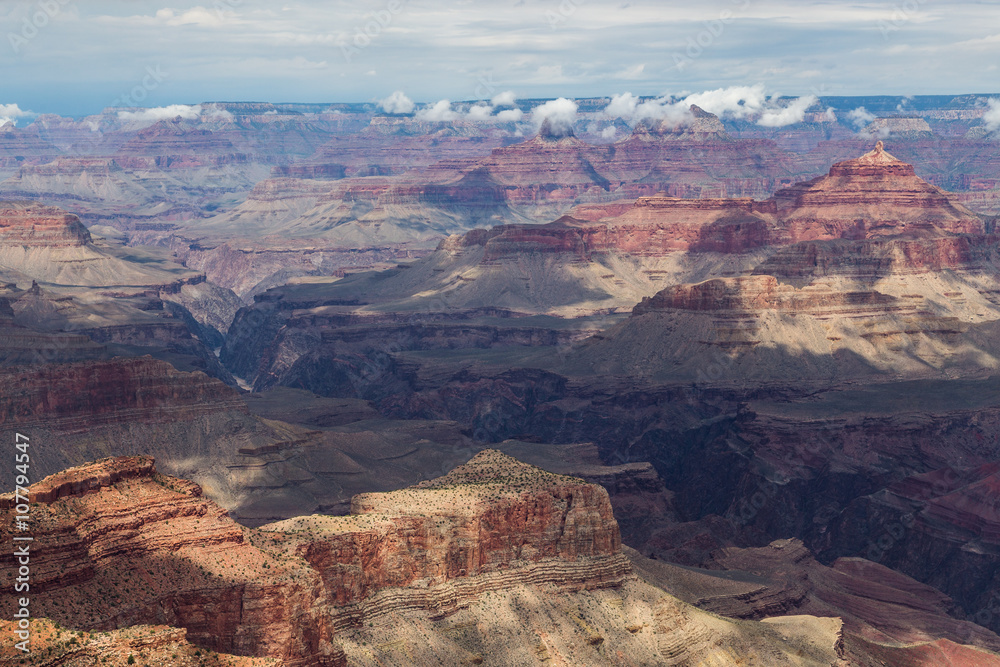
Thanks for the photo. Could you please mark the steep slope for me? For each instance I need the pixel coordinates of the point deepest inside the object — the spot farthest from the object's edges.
(71, 281)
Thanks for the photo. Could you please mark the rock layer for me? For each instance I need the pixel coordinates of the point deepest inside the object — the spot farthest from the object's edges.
(117, 544)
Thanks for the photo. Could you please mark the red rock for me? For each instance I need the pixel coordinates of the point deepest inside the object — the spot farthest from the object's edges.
(37, 225)
(873, 196)
(116, 544)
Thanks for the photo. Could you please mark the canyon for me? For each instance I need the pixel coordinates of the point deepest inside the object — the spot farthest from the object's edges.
(321, 385)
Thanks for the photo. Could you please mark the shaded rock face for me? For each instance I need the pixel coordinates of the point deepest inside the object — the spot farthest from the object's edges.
(755, 293)
(288, 589)
(940, 527)
(38, 226)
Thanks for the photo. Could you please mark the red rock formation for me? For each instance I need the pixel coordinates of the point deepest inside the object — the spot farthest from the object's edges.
(87, 394)
(873, 196)
(39, 226)
(116, 544)
(756, 293)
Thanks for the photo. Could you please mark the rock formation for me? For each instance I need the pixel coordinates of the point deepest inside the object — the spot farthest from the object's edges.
(496, 558)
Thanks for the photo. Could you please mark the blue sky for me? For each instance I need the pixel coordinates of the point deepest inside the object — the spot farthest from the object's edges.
(79, 56)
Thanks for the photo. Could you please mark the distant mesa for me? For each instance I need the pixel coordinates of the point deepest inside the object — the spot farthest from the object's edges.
(900, 127)
(31, 224)
(701, 125)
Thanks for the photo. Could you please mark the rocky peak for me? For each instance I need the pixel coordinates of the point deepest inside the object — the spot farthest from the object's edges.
(876, 162)
(875, 195)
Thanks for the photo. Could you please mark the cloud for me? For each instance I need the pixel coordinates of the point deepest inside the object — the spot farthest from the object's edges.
(622, 106)
(555, 118)
(398, 102)
(795, 112)
(609, 132)
(629, 108)
(991, 117)
(154, 114)
(217, 114)
(438, 112)
(480, 112)
(734, 102)
(9, 113)
(860, 117)
(505, 99)
(510, 115)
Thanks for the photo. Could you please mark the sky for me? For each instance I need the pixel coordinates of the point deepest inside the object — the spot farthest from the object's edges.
(74, 57)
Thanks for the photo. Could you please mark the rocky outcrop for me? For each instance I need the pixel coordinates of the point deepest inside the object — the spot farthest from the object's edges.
(38, 226)
(905, 127)
(757, 293)
(116, 544)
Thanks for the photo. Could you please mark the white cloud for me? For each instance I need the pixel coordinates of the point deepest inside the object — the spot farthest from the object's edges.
(480, 112)
(9, 113)
(628, 107)
(398, 102)
(795, 112)
(556, 116)
(860, 117)
(737, 102)
(154, 114)
(622, 106)
(992, 117)
(510, 115)
(438, 112)
(218, 114)
(733, 102)
(505, 99)
(609, 132)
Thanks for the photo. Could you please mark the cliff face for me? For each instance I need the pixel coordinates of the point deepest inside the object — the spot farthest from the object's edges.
(40, 226)
(495, 559)
(117, 544)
